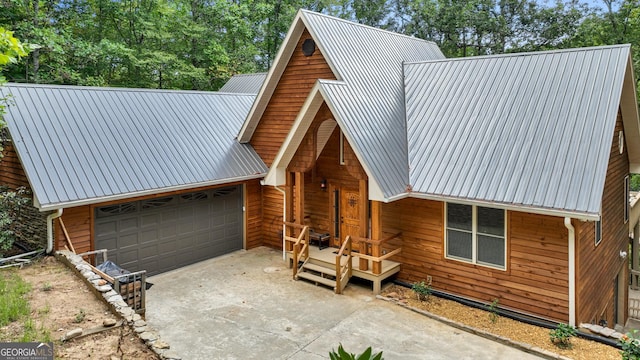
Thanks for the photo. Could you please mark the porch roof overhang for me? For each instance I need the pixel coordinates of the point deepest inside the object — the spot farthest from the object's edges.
(276, 176)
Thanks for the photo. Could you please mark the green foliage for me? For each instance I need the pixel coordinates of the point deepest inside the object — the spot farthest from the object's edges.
(13, 302)
(46, 287)
(79, 316)
(11, 204)
(562, 335)
(493, 311)
(630, 345)
(634, 182)
(11, 49)
(341, 354)
(33, 332)
(422, 290)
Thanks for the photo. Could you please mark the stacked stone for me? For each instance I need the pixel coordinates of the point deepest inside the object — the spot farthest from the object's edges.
(118, 306)
(601, 330)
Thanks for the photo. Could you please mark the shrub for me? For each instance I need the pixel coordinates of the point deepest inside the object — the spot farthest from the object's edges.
(422, 290)
(630, 346)
(493, 311)
(341, 354)
(11, 203)
(562, 335)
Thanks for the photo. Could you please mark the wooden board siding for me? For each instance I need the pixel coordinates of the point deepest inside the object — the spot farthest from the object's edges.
(253, 214)
(78, 222)
(536, 279)
(597, 266)
(12, 174)
(272, 202)
(287, 99)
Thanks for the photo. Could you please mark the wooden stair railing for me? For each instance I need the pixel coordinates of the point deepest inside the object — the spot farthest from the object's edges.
(373, 251)
(300, 244)
(343, 268)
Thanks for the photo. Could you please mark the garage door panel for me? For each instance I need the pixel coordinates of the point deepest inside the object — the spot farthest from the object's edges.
(148, 236)
(107, 227)
(166, 233)
(127, 240)
(128, 224)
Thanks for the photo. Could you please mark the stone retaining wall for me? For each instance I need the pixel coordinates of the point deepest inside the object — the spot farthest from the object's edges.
(104, 291)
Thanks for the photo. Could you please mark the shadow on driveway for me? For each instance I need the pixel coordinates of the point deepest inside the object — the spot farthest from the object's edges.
(245, 305)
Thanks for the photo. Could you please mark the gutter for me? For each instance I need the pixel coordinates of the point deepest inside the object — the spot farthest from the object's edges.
(50, 219)
(572, 270)
(495, 205)
(129, 195)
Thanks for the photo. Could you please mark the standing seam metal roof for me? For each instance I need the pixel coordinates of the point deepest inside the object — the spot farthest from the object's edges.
(530, 129)
(369, 103)
(244, 83)
(83, 145)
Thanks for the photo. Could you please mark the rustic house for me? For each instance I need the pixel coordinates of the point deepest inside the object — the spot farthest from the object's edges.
(499, 177)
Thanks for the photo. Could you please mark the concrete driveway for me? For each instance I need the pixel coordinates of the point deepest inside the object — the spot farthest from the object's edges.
(246, 306)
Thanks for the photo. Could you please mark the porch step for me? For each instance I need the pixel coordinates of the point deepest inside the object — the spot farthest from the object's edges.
(317, 279)
(319, 268)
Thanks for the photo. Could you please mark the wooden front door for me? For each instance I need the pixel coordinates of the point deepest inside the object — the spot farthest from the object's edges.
(349, 213)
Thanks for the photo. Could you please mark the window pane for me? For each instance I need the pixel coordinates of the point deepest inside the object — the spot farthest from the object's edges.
(491, 250)
(490, 221)
(459, 244)
(459, 216)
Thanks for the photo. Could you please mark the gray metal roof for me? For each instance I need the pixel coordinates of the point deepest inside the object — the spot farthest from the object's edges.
(531, 130)
(244, 83)
(83, 145)
(369, 103)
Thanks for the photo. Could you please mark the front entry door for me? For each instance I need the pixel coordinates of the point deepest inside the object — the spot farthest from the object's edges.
(349, 213)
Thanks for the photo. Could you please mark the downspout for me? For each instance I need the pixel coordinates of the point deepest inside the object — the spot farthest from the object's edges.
(572, 270)
(50, 218)
(284, 217)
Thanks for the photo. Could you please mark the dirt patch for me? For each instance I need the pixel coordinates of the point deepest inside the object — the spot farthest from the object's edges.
(517, 331)
(60, 302)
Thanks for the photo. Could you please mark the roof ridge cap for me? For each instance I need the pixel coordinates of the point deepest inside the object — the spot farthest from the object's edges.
(309, 12)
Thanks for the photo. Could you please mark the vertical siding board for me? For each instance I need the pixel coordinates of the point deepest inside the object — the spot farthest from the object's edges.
(597, 266)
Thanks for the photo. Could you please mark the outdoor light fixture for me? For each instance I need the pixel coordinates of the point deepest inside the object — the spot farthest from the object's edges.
(323, 184)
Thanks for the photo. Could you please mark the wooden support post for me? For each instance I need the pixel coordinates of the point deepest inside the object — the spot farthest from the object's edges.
(376, 234)
(299, 198)
(289, 209)
(363, 264)
(635, 255)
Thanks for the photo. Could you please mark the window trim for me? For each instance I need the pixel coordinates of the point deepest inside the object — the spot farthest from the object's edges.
(341, 156)
(627, 207)
(474, 238)
(597, 229)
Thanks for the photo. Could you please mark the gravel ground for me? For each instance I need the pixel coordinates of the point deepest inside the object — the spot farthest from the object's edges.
(514, 330)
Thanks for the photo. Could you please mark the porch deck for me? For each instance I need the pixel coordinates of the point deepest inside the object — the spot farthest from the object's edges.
(327, 258)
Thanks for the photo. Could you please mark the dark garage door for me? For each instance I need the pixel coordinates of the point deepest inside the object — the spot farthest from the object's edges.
(165, 233)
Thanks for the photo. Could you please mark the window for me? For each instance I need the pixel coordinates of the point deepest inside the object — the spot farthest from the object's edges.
(598, 229)
(476, 234)
(626, 199)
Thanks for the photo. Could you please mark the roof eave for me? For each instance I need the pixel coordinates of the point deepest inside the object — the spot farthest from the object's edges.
(630, 118)
(102, 199)
(580, 215)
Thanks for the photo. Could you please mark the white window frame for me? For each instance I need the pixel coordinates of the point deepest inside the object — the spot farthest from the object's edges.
(341, 159)
(597, 228)
(626, 199)
(474, 239)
